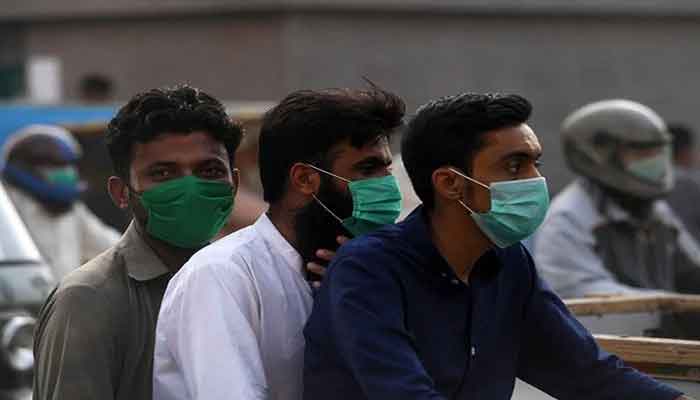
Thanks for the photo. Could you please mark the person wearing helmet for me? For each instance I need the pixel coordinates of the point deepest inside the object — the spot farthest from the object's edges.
(610, 231)
(39, 165)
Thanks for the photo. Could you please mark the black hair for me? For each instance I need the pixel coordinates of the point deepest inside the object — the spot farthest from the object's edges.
(683, 137)
(96, 87)
(306, 124)
(450, 130)
(182, 109)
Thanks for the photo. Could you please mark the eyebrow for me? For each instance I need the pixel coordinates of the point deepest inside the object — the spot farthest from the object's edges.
(170, 164)
(521, 154)
(373, 161)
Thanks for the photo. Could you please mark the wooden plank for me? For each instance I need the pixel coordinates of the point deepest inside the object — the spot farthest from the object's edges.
(667, 371)
(634, 304)
(670, 352)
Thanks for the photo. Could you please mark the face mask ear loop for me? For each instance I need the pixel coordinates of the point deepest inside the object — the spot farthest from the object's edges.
(326, 208)
(466, 206)
(470, 179)
(326, 172)
(132, 190)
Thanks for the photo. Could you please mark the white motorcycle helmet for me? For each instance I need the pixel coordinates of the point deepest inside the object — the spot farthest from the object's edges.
(622, 145)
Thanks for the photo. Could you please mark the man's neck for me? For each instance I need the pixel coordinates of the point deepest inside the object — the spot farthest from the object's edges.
(173, 257)
(459, 240)
(283, 219)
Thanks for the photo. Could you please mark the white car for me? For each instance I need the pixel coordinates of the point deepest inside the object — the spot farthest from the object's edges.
(25, 282)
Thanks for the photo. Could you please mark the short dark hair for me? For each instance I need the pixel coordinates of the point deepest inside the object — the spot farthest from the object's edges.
(96, 87)
(307, 123)
(182, 109)
(683, 137)
(449, 131)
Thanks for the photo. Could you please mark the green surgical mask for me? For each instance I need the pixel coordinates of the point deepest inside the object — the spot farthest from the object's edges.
(375, 202)
(64, 176)
(187, 212)
(518, 208)
(653, 168)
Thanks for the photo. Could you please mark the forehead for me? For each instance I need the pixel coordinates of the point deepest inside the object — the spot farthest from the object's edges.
(178, 148)
(345, 151)
(515, 139)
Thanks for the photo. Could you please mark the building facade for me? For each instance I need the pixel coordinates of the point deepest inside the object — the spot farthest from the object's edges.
(558, 55)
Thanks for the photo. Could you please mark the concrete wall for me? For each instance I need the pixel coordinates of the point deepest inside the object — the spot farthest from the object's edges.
(232, 57)
(559, 62)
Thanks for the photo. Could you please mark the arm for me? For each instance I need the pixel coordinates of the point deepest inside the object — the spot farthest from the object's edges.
(562, 358)
(74, 347)
(566, 258)
(366, 320)
(209, 324)
(96, 236)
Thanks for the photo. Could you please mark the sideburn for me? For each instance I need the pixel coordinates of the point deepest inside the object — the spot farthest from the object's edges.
(138, 212)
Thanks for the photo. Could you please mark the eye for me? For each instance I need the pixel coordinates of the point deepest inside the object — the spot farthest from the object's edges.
(213, 173)
(513, 166)
(160, 174)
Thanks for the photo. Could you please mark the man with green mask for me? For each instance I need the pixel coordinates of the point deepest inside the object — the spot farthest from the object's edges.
(232, 318)
(448, 304)
(39, 165)
(173, 156)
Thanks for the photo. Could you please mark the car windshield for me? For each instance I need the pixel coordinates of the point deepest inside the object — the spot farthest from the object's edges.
(16, 246)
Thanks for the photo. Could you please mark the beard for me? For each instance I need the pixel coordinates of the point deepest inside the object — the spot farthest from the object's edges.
(316, 228)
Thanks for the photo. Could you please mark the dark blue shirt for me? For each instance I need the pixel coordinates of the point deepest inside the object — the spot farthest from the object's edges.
(392, 321)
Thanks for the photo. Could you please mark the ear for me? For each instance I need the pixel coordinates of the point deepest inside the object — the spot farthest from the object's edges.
(235, 180)
(447, 185)
(118, 191)
(304, 179)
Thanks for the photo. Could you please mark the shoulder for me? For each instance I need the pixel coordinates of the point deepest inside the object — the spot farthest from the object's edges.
(230, 254)
(103, 272)
(379, 254)
(223, 265)
(99, 283)
(79, 300)
(385, 242)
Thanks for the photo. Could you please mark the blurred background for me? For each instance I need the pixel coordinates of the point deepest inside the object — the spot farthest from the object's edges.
(559, 54)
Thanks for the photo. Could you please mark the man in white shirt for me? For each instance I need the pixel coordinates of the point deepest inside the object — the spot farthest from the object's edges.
(231, 321)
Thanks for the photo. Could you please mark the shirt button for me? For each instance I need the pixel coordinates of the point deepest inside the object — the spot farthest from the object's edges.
(455, 282)
(473, 351)
(444, 275)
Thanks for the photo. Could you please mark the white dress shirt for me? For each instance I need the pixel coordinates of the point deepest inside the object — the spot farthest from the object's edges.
(68, 240)
(230, 325)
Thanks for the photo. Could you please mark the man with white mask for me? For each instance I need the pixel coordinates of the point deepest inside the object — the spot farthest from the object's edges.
(610, 231)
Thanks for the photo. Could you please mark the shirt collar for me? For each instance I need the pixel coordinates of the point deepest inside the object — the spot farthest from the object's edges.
(278, 244)
(418, 234)
(142, 263)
